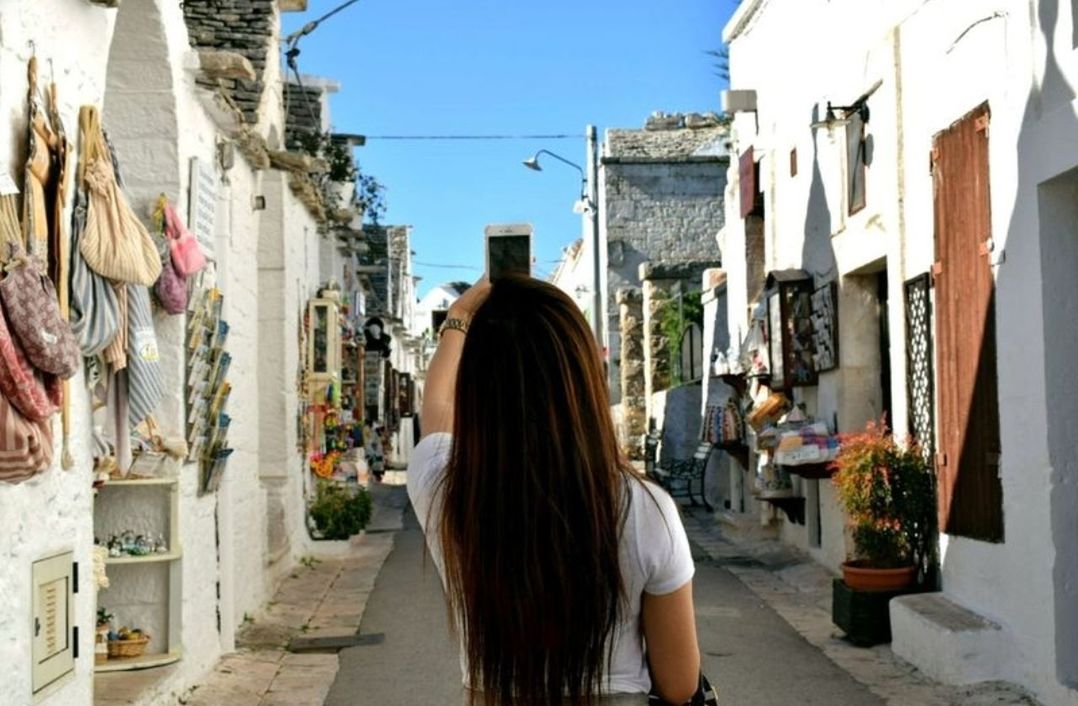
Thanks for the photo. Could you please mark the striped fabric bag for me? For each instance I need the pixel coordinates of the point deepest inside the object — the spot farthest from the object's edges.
(25, 446)
(145, 387)
(115, 243)
(95, 311)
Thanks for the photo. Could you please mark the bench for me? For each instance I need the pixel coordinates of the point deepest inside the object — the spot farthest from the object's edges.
(678, 476)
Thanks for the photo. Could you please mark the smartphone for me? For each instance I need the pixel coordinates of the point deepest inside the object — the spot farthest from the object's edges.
(509, 250)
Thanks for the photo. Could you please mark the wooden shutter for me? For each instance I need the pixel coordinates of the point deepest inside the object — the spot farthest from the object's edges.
(970, 492)
(746, 176)
(54, 643)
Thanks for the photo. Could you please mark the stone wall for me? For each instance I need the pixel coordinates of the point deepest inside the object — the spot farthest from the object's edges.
(660, 283)
(241, 26)
(633, 422)
(662, 202)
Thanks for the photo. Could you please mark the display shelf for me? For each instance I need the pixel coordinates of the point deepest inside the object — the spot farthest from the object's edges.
(141, 481)
(125, 596)
(813, 471)
(120, 664)
(145, 559)
(739, 451)
(793, 506)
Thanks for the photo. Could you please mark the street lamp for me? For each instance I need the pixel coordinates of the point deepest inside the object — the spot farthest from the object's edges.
(589, 196)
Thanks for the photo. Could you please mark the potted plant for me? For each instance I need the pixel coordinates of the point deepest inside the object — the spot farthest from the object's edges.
(888, 494)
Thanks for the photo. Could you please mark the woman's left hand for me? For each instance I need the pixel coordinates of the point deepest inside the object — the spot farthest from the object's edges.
(468, 303)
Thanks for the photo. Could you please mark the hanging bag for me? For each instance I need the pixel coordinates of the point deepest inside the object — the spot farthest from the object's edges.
(33, 311)
(171, 287)
(187, 256)
(95, 311)
(115, 243)
(25, 445)
(19, 382)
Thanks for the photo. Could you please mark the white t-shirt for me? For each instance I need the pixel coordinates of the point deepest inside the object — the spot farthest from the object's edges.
(654, 553)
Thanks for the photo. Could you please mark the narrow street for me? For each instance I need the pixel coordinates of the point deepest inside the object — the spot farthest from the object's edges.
(751, 653)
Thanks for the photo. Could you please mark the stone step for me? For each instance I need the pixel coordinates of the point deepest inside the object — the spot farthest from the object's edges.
(948, 642)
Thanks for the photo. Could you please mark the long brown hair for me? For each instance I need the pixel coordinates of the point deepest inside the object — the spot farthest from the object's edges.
(534, 502)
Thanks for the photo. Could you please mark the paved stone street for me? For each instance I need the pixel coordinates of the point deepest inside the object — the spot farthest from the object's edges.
(763, 614)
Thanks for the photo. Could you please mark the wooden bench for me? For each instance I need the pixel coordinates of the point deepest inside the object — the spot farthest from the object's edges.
(678, 476)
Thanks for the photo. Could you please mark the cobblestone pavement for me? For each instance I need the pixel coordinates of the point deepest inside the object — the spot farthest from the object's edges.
(319, 598)
(799, 590)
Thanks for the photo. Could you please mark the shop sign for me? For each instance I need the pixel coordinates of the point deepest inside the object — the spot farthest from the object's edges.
(202, 204)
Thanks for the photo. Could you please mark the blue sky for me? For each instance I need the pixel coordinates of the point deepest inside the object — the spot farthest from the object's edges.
(509, 67)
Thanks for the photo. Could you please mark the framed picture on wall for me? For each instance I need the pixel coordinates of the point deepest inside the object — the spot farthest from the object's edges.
(825, 326)
(790, 331)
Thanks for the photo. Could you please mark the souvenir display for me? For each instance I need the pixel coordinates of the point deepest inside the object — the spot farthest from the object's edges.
(208, 389)
(333, 421)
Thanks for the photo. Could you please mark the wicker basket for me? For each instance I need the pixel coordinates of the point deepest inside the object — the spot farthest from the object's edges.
(120, 649)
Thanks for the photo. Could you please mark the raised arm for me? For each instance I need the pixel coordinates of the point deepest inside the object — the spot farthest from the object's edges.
(437, 413)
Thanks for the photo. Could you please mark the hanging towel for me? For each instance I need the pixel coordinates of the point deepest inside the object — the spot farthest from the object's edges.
(145, 387)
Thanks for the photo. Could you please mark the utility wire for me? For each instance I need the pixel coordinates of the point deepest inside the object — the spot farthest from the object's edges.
(475, 137)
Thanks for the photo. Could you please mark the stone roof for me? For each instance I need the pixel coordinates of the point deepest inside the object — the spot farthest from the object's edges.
(669, 138)
(241, 26)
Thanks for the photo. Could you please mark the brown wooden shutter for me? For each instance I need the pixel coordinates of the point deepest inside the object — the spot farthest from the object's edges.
(746, 177)
(970, 492)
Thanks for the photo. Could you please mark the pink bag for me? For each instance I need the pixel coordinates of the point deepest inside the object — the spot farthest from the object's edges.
(187, 256)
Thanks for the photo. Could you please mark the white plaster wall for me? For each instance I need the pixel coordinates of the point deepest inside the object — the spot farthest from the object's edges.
(575, 276)
(51, 513)
(945, 58)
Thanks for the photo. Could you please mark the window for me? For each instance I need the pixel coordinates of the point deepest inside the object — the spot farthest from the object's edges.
(856, 162)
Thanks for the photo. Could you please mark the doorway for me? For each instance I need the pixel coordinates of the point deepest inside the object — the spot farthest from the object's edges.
(1058, 210)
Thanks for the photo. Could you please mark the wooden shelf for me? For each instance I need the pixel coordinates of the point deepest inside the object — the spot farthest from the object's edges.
(737, 450)
(140, 481)
(794, 507)
(144, 662)
(812, 471)
(145, 559)
(736, 381)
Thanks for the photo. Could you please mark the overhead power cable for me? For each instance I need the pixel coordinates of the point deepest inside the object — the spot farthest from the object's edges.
(475, 137)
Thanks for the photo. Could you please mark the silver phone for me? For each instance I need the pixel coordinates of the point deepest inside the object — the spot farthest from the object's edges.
(509, 250)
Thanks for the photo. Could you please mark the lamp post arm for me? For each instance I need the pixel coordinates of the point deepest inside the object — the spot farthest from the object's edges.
(574, 165)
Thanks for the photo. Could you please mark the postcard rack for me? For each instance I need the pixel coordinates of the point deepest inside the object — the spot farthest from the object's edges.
(208, 388)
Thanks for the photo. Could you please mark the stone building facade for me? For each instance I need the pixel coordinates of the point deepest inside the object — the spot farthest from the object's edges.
(934, 92)
(660, 203)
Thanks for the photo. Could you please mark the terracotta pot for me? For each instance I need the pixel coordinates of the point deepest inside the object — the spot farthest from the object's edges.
(862, 578)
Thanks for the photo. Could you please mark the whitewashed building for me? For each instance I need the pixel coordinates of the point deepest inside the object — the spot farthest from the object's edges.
(923, 157)
(174, 110)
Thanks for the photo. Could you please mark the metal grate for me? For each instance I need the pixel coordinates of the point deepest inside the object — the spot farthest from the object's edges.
(920, 374)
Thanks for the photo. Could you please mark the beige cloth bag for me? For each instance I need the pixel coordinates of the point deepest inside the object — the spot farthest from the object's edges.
(115, 244)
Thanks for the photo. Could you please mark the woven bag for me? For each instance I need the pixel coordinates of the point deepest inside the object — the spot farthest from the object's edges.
(115, 243)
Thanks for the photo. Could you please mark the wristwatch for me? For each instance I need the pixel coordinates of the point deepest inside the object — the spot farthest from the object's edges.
(453, 325)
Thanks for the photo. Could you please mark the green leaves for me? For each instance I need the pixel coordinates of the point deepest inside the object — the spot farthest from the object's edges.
(339, 512)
